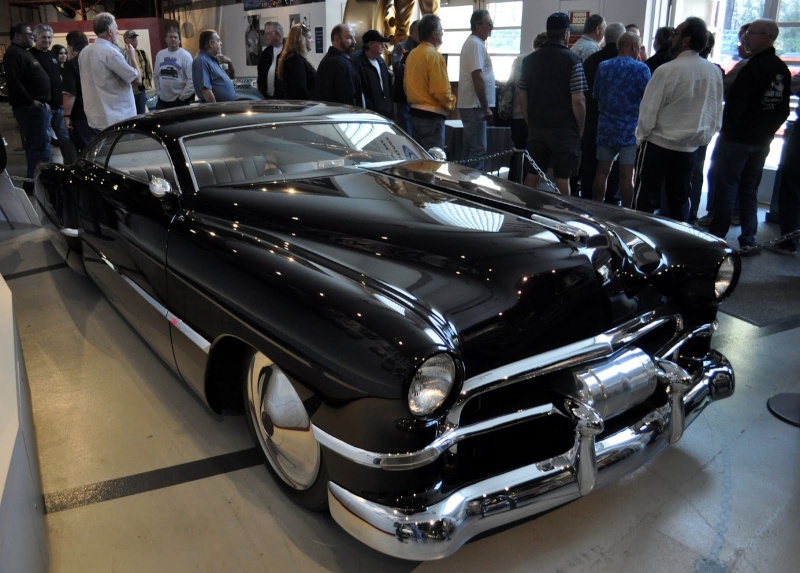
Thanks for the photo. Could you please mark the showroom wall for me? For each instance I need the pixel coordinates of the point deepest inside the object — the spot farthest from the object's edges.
(233, 22)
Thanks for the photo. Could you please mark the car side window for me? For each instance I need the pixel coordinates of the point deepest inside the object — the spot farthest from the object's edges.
(142, 157)
(98, 151)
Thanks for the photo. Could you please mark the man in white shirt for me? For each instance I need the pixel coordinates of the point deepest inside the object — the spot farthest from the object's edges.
(681, 110)
(476, 87)
(593, 31)
(173, 73)
(106, 77)
(268, 62)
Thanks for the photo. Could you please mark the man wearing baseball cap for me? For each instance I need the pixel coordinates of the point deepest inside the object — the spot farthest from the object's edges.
(376, 83)
(140, 96)
(555, 119)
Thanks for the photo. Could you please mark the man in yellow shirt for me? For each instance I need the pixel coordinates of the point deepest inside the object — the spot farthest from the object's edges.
(427, 85)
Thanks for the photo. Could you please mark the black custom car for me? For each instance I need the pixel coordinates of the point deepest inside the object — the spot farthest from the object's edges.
(427, 351)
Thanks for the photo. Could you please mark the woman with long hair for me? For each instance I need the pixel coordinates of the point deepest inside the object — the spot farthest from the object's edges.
(294, 70)
(59, 55)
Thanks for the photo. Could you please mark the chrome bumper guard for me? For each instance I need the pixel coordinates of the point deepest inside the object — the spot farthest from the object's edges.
(443, 528)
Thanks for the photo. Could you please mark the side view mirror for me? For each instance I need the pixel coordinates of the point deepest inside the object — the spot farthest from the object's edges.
(159, 186)
(438, 153)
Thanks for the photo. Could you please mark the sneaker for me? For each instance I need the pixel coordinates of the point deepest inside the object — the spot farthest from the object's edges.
(705, 220)
(750, 250)
(785, 251)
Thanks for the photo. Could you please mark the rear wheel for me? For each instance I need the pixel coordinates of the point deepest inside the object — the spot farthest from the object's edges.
(279, 422)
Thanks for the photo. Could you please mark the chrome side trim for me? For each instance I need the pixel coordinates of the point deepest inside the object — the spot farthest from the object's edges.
(190, 333)
(411, 460)
(441, 529)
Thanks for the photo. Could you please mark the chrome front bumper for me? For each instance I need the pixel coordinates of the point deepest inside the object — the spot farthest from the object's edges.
(443, 528)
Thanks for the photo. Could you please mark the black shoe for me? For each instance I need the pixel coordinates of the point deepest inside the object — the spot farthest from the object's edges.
(705, 221)
(750, 250)
(778, 250)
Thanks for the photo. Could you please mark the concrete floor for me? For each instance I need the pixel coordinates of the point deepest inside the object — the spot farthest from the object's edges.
(726, 498)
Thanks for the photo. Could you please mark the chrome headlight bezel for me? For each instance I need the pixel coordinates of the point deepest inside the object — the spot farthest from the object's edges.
(726, 278)
(431, 385)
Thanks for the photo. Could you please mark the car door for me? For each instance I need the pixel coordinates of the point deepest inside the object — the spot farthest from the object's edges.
(124, 232)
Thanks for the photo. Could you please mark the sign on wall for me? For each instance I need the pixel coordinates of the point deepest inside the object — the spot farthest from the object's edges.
(577, 20)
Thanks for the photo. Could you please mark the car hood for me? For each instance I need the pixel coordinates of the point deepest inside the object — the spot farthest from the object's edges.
(500, 269)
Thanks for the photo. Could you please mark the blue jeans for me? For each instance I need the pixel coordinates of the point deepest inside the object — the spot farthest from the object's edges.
(34, 126)
(711, 180)
(140, 98)
(81, 133)
(737, 171)
(68, 152)
(402, 117)
(428, 131)
(474, 135)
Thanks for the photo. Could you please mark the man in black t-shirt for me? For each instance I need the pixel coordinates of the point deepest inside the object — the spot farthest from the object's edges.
(74, 117)
(43, 38)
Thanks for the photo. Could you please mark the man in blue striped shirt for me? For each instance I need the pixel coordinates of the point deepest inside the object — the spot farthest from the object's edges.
(555, 123)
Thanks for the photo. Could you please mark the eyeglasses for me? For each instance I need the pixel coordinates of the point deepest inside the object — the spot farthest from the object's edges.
(490, 24)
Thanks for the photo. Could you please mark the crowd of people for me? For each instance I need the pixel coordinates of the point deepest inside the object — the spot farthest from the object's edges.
(72, 92)
(603, 108)
(611, 123)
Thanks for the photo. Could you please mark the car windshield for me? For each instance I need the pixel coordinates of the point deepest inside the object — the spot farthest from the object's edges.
(293, 150)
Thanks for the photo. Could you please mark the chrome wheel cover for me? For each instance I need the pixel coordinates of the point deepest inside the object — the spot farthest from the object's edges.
(281, 424)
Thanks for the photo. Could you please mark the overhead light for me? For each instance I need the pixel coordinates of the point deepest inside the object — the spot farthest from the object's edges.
(65, 11)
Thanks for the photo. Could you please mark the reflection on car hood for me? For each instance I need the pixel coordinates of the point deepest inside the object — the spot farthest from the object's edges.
(505, 282)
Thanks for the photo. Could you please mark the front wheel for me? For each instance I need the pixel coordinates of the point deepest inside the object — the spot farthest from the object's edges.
(279, 422)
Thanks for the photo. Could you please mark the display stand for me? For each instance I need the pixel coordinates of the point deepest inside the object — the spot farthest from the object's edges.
(786, 407)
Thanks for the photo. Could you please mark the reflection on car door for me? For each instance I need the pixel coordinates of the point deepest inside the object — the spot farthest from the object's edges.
(125, 234)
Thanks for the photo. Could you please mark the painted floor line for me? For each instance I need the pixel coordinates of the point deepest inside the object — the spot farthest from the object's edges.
(152, 480)
(36, 271)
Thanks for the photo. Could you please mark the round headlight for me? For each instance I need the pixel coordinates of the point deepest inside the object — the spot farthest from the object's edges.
(431, 384)
(724, 279)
